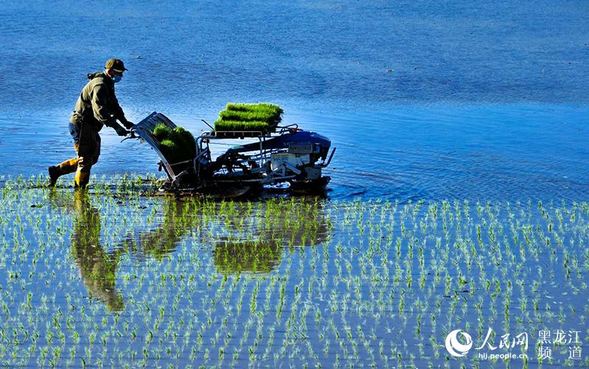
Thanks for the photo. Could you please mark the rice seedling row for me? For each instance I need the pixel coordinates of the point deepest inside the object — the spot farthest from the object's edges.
(117, 279)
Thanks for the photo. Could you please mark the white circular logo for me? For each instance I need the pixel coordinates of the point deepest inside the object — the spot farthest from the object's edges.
(454, 347)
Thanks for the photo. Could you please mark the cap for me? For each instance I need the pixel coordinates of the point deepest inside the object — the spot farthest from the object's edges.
(115, 64)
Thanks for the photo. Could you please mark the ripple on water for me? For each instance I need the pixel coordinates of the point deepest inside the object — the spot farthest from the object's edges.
(435, 152)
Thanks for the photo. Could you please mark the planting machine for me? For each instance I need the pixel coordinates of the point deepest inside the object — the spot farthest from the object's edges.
(287, 158)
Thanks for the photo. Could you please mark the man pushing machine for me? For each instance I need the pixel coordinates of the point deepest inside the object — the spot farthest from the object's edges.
(96, 107)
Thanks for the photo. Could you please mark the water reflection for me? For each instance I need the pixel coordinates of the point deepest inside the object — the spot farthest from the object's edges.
(97, 267)
(257, 243)
(244, 237)
(163, 240)
(257, 256)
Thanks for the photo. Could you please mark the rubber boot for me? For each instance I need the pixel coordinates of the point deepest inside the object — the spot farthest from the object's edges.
(54, 174)
(56, 171)
(68, 166)
(82, 178)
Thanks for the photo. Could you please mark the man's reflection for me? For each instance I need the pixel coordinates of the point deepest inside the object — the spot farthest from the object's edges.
(244, 237)
(97, 267)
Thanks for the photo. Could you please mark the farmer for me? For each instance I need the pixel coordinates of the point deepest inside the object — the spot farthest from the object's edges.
(96, 107)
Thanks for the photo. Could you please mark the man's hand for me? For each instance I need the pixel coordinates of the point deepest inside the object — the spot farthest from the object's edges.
(128, 124)
(120, 130)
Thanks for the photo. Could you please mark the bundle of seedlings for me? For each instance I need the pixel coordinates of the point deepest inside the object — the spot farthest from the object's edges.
(260, 117)
(177, 144)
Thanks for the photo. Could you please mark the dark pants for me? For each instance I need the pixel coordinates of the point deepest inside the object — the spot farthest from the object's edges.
(87, 146)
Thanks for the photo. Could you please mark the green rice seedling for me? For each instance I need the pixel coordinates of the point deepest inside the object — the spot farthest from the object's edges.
(248, 117)
(235, 125)
(323, 285)
(177, 145)
(270, 110)
(161, 132)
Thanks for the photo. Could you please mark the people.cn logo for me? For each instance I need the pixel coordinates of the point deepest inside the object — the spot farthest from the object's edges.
(455, 347)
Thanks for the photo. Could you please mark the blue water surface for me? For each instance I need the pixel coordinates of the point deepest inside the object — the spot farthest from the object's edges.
(426, 99)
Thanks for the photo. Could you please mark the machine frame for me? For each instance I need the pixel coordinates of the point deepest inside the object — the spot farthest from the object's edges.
(288, 158)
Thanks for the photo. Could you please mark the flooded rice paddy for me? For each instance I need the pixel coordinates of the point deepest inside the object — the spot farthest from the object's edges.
(114, 279)
(394, 152)
(453, 234)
